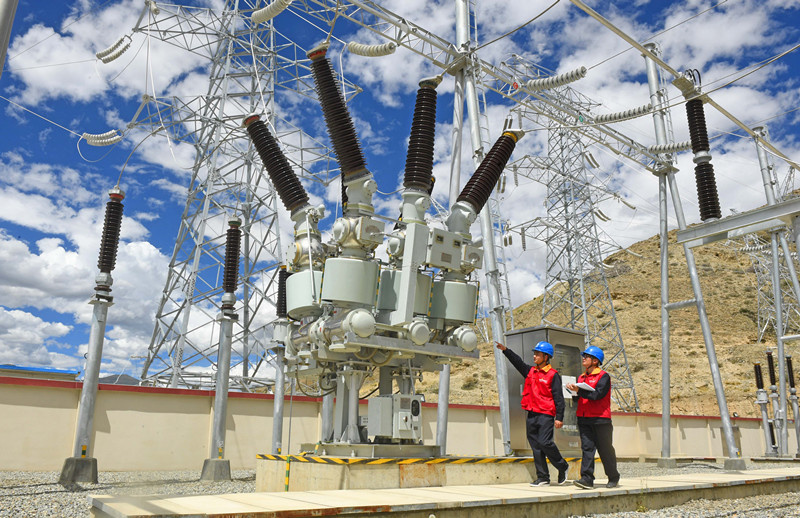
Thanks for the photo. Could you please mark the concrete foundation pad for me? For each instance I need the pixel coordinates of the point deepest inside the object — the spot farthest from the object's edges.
(309, 473)
(474, 501)
(78, 469)
(667, 463)
(215, 470)
(735, 465)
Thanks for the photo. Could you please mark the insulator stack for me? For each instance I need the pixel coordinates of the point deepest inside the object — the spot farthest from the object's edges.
(269, 12)
(372, 51)
(283, 274)
(759, 376)
(547, 83)
(771, 366)
(624, 115)
(790, 371)
(114, 51)
(340, 126)
(102, 139)
(419, 159)
(292, 193)
(480, 185)
(670, 148)
(111, 227)
(707, 196)
(233, 239)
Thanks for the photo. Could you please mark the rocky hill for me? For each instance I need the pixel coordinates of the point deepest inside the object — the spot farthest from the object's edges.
(730, 292)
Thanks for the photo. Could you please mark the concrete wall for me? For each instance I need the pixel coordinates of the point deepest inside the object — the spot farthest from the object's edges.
(142, 428)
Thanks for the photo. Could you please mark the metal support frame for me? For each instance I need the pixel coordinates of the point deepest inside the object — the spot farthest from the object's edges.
(734, 460)
(82, 466)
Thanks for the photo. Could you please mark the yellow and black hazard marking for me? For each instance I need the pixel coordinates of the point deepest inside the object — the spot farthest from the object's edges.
(317, 459)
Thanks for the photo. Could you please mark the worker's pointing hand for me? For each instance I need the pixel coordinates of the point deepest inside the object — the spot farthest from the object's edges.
(501, 346)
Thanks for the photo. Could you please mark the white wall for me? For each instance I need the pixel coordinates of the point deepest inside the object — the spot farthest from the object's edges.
(142, 428)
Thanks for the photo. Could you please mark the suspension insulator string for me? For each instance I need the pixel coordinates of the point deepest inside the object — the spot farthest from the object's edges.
(269, 12)
(372, 51)
(114, 51)
(419, 159)
(547, 83)
(624, 115)
(670, 148)
(102, 139)
(109, 243)
(707, 196)
(233, 239)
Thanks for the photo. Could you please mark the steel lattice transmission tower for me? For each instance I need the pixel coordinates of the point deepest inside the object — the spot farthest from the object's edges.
(576, 289)
(246, 64)
(760, 254)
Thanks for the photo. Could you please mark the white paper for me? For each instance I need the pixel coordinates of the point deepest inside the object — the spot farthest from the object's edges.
(566, 380)
(585, 386)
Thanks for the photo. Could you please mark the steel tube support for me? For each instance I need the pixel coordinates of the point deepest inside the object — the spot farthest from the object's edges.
(763, 401)
(780, 417)
(8, 8)
(442, 409)
(489, 258)
(82, 467)
(795, 410)
(217, 449)
(661, 139)
(83, 432)
(277, 410)
(734, 461)
(327, 417)
(443, 401)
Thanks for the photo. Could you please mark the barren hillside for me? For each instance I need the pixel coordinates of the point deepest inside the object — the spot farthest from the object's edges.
(729, 289)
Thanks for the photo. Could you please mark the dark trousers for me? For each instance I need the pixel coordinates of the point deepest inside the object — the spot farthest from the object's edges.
(596, 435)
(539, 429)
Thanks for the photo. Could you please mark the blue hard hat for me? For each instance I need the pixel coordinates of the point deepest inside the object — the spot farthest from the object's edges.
(594, 352)
(544, 347)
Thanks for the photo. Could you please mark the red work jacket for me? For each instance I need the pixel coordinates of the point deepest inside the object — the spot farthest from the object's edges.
(594, 408)
(537, 395)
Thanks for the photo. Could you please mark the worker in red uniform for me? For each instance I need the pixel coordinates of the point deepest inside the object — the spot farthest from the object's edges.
(594, 419)
(543, 399)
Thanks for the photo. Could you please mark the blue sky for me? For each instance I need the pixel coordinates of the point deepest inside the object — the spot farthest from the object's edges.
(52, 192)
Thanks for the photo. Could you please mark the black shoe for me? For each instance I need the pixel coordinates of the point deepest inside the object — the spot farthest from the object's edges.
(584, 484)
(562, 476)
(612, 483)
(540, 482)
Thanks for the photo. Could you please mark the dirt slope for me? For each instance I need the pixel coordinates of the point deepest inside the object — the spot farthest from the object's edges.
(729, 289)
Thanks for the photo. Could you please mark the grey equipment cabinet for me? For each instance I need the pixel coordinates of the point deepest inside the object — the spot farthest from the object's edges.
(568, 345)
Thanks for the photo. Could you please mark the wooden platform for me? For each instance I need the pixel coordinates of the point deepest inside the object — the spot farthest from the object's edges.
(507, 500)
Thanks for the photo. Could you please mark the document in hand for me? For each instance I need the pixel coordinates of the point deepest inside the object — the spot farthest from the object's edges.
(585, 386)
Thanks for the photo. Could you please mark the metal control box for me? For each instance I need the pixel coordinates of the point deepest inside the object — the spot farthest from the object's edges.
(395, 416)
(444, 249)
(567, 344)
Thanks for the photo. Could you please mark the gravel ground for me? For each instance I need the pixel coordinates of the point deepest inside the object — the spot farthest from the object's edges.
(38, 494)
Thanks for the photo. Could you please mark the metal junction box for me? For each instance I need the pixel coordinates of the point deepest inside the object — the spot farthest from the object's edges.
(395, 416)
(568, 345)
